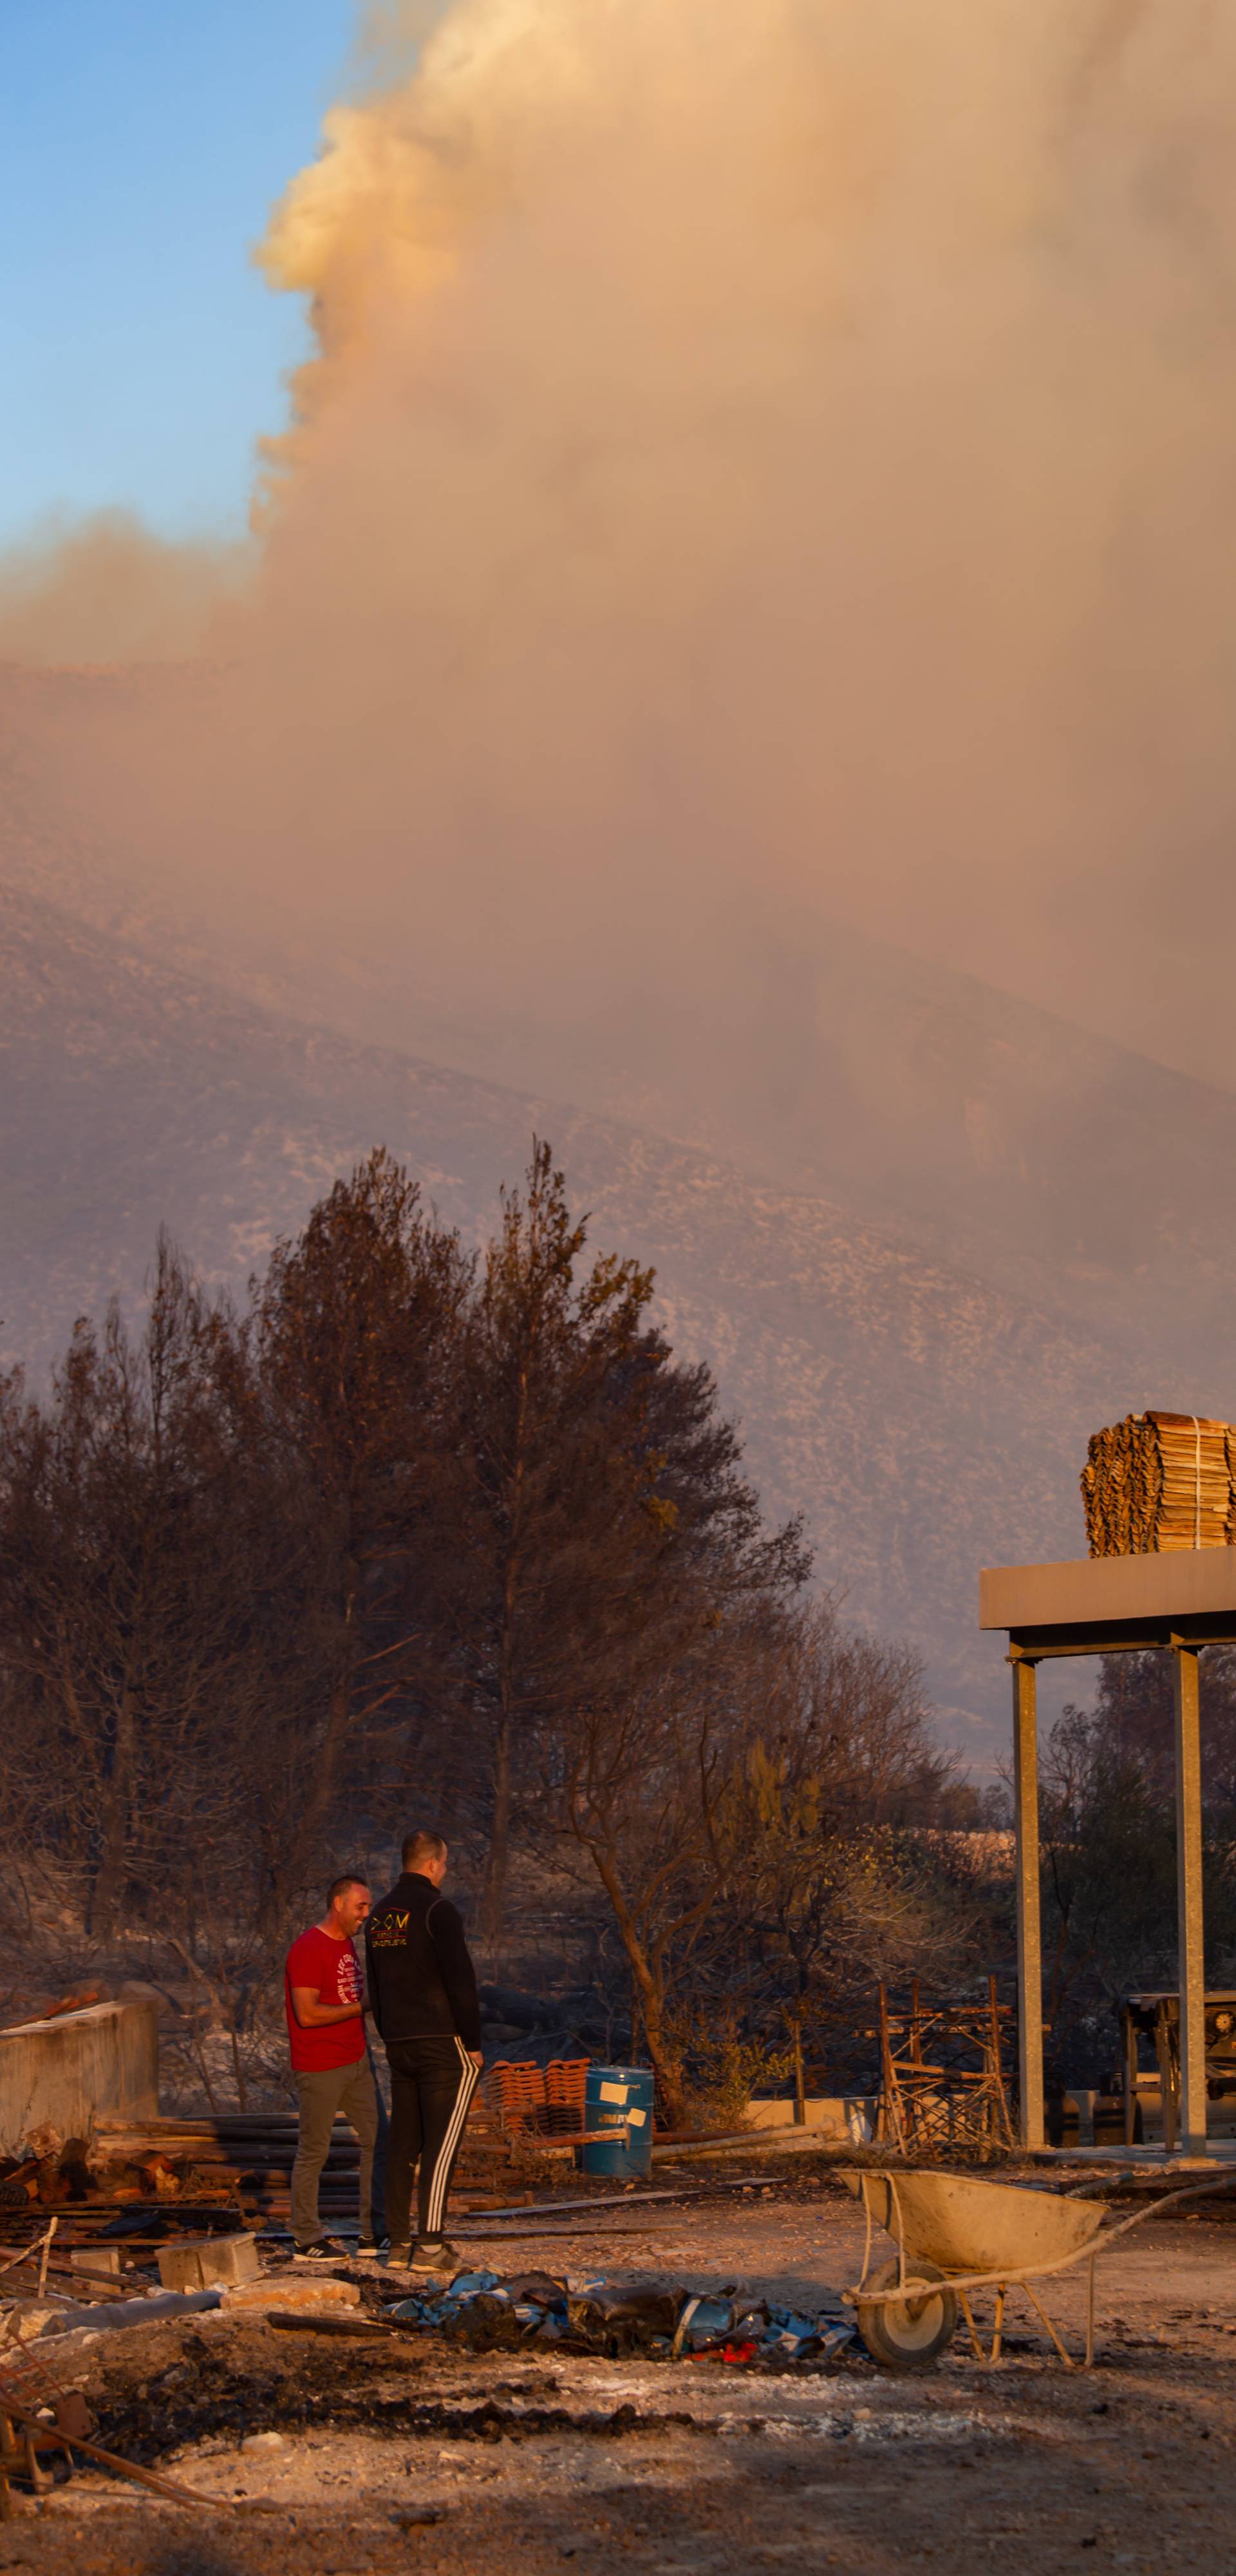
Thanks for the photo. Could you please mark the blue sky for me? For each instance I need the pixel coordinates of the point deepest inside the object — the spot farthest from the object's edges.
(141, 145)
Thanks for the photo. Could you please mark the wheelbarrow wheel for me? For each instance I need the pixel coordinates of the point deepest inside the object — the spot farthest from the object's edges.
(907, 2334)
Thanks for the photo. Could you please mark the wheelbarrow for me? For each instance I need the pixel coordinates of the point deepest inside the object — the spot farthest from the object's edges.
(956, 2235)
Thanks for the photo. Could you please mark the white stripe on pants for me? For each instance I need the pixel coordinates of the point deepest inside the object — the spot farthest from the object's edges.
(469, 2075)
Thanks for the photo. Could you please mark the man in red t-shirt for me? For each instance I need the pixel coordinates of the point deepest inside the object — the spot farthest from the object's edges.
(324, 1996)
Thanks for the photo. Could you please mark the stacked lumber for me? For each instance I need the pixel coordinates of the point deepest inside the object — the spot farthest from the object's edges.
(250, 2155)
(1158, 1481)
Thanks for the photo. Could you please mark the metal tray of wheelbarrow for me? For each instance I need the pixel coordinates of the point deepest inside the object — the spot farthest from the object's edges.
(955, 2235)
(965, 2225)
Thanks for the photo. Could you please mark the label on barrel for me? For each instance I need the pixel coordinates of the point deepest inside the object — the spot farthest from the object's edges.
(636, 2119)
(613, 2092)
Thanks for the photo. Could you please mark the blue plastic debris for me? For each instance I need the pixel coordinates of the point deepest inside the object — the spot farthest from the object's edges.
(703, 2322)
(596, 2315)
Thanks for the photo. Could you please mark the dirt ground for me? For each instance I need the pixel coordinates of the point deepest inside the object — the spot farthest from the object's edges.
(347, 2456)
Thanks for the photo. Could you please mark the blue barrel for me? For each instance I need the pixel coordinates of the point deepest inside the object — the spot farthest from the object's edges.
(620, 2098)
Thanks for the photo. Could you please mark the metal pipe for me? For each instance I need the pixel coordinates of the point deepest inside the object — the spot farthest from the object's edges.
(1029, 1944)
(1191, 1945)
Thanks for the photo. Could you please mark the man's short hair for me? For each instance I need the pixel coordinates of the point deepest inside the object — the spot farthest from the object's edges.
(419, 1847)
(350, 1878)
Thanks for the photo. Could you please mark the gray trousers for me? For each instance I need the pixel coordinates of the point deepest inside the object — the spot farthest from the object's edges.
(323, 2092)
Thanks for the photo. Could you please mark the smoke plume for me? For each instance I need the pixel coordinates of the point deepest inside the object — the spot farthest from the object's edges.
(108, 591)
(760, 464)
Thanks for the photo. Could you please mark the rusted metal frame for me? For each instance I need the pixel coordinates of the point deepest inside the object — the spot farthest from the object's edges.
(915, 2033)
(971, 2105)
(1029, 1938)
(929, 2105)
(1036, 2302)
(57, 2440)
(990, 2360)
(968, 2313)
(1169, 2078)
(959, 2281)
(997, 2064)
(893, 2114)
(20, 2458)
(1190, 1936)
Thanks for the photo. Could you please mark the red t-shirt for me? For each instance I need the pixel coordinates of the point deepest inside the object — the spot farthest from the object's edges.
(333, 1969)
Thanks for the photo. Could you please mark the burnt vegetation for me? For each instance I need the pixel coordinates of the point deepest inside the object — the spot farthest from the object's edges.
(417, 1533)
(1108, 1834)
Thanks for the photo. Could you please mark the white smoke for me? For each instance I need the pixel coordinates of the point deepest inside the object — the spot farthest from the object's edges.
(762, 462)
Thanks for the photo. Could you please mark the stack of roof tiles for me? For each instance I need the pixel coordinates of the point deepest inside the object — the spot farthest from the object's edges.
(1158, 1481)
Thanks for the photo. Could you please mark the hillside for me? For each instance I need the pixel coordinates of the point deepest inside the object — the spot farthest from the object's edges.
(923, 1420)
(1045, 1159)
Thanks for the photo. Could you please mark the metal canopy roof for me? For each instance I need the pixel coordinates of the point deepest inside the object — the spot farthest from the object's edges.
(1102, 1605)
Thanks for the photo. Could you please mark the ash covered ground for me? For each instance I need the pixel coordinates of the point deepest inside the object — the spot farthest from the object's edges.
(359, 2453)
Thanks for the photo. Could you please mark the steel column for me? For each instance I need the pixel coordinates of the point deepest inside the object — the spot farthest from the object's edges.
(1191, 1946)
(1029, 1946)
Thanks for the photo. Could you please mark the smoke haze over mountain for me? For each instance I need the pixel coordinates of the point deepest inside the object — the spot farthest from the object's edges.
(760, 466)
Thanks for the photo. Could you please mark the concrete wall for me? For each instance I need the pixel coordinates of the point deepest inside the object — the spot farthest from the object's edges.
(837, 2115)
(62, 2072)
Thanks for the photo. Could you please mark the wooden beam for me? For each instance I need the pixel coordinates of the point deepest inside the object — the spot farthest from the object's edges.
(1029, 1947)
(1190, 1934)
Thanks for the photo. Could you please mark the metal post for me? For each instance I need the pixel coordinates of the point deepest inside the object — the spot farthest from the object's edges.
(1129, 2041)
(1191, 1961)
(1029, 1947)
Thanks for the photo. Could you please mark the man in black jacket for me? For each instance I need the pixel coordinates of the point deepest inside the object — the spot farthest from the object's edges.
(422, 1993)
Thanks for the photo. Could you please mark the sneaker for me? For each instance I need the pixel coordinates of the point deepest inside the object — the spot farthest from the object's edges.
(369, 2247)
(435, 2254)
(398, 2256)
(320, 2249)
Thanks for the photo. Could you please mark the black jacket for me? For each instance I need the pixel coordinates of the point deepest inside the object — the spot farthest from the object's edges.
(422, 1984)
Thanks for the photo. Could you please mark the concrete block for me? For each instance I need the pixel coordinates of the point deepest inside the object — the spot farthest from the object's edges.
(278, 2290)
(835, 2115)
(30, 2318)
(62, 2073)
(208, 2262)
(94, 2258)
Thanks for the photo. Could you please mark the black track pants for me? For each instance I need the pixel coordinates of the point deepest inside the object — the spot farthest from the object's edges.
(432, 2083)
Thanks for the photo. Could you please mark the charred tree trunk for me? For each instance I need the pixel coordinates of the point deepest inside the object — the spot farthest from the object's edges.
(649, 1985)
(115, 1822)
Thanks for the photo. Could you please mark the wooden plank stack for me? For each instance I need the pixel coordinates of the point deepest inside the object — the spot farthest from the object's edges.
(1159, 1481)
(250, 2155)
